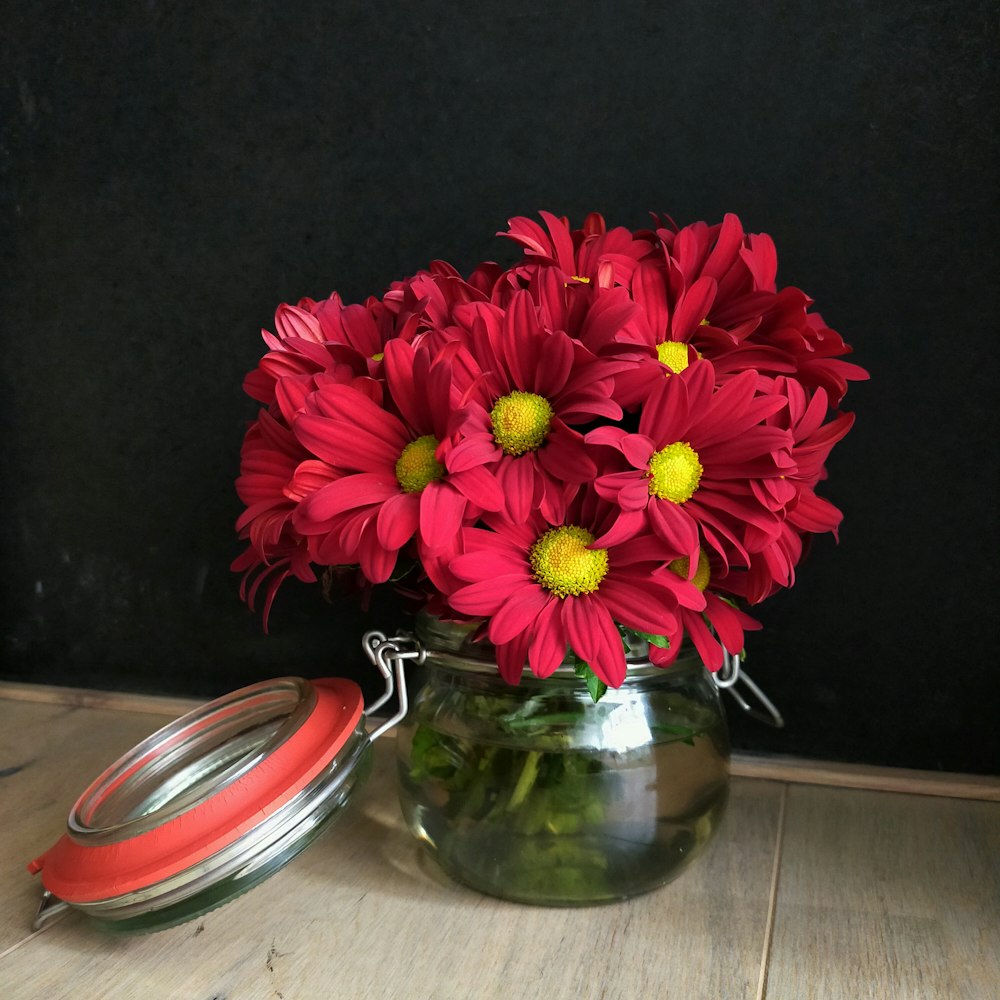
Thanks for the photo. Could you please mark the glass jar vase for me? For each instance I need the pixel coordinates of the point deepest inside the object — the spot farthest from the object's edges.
(535, 793)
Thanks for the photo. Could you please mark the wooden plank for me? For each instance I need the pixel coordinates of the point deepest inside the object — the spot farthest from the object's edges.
(121, 701)
(48, 754)
(801, 771)
(363, 913)
(886, 897)
(768, 768)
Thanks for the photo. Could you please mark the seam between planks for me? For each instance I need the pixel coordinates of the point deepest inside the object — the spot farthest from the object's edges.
(772, 901)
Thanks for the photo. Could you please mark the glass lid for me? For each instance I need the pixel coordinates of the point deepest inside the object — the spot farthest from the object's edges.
(209, 806)
(212, 804)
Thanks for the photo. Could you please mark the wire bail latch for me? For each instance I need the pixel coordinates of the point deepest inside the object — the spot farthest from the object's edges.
(389, 655)
(732, 672)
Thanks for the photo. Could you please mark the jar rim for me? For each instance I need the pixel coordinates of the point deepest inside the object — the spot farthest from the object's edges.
(452, 645)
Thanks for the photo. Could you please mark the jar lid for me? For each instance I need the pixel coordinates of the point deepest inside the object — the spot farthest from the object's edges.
(209, 806)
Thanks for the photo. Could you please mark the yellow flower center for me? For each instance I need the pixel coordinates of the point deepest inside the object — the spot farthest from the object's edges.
(378, 356)
(577, 277)
(564, 565)
(520, 421)
(683, 565)
(674, 472)
(417, 466)
(674, 355)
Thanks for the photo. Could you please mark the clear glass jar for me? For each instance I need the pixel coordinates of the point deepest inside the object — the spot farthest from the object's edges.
(536, 794)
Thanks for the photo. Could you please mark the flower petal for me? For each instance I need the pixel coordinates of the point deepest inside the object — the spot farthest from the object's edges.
(638, 607)
(442, 508)
(548, 641)
(485, 597)
(518, 613)
(341, 495)
(397, 520)
(593, 637)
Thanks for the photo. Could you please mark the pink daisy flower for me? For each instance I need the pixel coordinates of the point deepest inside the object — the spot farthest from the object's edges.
(547, 587)
(709, 291)
(517, 418)
(276, 472)
(591, 254)
(718, 626)
(813, 350)
(805, 513)
(357, 334)
(300, 358)
(393, 486)
(695, 467)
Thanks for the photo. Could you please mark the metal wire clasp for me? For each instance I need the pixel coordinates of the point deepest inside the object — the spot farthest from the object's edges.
(726, 678)
(389, 655)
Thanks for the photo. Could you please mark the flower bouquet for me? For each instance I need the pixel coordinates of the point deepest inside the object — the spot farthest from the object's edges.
(612, 445)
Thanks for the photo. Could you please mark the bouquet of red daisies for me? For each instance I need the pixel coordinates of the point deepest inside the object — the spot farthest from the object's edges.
(623, 432)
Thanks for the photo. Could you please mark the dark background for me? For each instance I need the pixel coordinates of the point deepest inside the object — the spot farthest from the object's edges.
(171, 172)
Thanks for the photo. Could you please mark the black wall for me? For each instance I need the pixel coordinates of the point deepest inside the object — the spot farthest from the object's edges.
(171, 172)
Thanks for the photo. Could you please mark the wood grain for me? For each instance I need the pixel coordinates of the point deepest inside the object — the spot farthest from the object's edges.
(363, 914)
(769, 767)
(887, 897)
(872, 895)
(124, 701)
(884, 779)
(48, 754)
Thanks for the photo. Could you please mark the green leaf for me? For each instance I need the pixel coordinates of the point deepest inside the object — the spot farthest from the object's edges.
(515, 723)
(684, 733)
(660, 641)
(595, 685)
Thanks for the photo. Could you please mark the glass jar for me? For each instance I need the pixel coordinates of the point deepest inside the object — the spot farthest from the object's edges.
(535, 793)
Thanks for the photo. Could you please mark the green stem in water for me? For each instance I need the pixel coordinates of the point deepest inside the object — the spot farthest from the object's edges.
(525, 780)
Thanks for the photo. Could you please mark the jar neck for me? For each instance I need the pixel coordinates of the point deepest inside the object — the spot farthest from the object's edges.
(453, 645)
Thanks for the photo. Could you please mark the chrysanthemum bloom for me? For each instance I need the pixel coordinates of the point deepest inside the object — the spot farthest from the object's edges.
(546, 587)
(703, 291)
(394, 486)
(711, 293)
(591, 254)
(517, 420)
(805, 513)
(807, 345)
(295, 352)
(276, 472)
(697, 465)
(357, 334)
(718, 625)
(300, 359)
(682, 320)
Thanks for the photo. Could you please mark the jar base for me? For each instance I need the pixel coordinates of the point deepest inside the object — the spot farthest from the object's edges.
(562, 870)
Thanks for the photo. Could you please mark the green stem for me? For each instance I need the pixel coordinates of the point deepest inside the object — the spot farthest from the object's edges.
(525, 780)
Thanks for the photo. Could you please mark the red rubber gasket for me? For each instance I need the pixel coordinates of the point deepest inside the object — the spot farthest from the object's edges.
(82, 873)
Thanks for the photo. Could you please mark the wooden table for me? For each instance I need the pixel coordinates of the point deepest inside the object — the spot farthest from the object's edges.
(809, 892)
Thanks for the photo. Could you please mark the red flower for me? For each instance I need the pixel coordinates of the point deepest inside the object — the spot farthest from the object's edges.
(516, 422)
(394, 486)
(545, 586)
(300, 359)
(703, 291)
(357, 334)
(276, 472)
(702, 295)
(591, 254)
(719, 625)
(696, 466)
(805, 513)
(477, 426)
